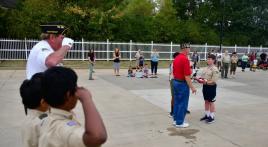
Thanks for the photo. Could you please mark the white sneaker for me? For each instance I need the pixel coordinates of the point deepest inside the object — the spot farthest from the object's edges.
(174, 123)
(184, 125)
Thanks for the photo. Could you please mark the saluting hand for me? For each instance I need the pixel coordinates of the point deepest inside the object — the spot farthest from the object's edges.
(83, 94)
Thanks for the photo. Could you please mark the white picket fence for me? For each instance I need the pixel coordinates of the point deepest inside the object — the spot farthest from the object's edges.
(12, 49)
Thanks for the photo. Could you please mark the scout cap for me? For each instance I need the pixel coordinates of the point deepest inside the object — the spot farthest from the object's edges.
(53, 28)
(185, 45)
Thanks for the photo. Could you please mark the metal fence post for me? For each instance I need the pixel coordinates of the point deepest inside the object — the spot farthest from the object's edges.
(130, 50)
(26, 54)
(171, 50)
(248, 48)
(83, 50)
(206, 48)
(235, 48)
(107, 50)
(152, 46)
(260, 48)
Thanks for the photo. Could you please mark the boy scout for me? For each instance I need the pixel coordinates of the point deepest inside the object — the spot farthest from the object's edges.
(60, 129)
(210, 76)
(35, 108)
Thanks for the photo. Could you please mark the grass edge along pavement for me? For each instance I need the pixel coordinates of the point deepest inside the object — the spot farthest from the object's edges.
(21, 64)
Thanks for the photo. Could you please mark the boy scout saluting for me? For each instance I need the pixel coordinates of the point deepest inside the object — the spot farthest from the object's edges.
(60, 128)
(208, 79)
(35, 109)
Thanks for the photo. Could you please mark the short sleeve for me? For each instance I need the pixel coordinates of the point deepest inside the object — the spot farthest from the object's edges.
(187, 68)
(215, 75)
(72, 134)
(43, 54)
(76, 138)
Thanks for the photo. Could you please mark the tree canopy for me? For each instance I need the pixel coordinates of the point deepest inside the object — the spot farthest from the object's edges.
(242, 22)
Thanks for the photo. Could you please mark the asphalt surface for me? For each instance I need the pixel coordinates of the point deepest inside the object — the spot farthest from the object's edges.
(135, 111)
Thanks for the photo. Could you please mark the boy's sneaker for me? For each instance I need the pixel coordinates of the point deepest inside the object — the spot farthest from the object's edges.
(184, 125)
(210, 120)
(204, 118)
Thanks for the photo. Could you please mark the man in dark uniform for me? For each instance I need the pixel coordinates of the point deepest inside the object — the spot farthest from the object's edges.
(182, 84)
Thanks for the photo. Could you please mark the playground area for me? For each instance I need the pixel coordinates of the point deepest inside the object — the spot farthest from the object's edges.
(135, 110)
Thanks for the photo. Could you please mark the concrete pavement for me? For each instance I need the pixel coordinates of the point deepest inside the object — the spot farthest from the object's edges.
(135, 111)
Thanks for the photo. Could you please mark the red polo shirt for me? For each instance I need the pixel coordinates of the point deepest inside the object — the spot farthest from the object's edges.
(181, 67)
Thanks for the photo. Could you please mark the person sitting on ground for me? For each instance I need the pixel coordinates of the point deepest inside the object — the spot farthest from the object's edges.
(35, 109)
(139, 73)
(60, 128)
(145, 71)
(130, 72)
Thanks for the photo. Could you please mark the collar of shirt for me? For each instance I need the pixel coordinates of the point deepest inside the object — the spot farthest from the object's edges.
(59, 113)
(34, 112)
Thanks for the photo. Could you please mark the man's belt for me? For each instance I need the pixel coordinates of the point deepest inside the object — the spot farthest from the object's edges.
(179, 80)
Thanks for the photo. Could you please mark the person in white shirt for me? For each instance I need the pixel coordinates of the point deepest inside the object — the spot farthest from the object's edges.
(50, 51)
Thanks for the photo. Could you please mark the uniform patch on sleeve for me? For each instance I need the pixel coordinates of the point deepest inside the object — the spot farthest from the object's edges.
(71, 123)
(44, 49)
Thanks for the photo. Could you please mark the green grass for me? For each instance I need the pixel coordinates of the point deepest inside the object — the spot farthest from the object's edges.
(20, 65)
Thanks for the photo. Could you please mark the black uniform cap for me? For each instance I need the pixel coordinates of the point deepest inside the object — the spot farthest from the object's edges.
(53, 28)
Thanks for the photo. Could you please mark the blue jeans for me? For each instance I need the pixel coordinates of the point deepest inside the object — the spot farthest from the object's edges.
(244, 65)
(90, 70)
(181, 99)
(154, 67)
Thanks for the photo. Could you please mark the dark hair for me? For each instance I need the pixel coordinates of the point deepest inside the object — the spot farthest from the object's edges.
(175, 55)
(31, 91)
(213, 57)
(57, 82)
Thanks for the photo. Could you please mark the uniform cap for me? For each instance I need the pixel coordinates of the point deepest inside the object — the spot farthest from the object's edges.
(53, 28)
(185, 45)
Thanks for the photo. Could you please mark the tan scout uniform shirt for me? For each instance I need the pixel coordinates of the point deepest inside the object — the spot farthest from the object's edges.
(60, 129)
(234, 59)
(31, 128)
(211, 73)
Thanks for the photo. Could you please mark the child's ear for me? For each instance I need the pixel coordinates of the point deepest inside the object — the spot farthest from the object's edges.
(43, 102)
(44, 105)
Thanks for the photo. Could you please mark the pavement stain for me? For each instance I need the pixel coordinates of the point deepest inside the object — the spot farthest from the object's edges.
(186, 133)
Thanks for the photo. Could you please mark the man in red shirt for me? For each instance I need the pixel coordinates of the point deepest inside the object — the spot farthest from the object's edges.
(182, 85)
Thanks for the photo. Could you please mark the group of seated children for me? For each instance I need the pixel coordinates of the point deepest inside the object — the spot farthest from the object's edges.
(141, 72)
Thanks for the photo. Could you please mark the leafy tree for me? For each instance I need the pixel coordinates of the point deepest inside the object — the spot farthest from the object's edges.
(135, 22)
(25, 21)
(3, 25)
(166, 27)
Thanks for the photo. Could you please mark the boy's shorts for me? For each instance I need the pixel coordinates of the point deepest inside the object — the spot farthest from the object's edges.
(209, 92)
